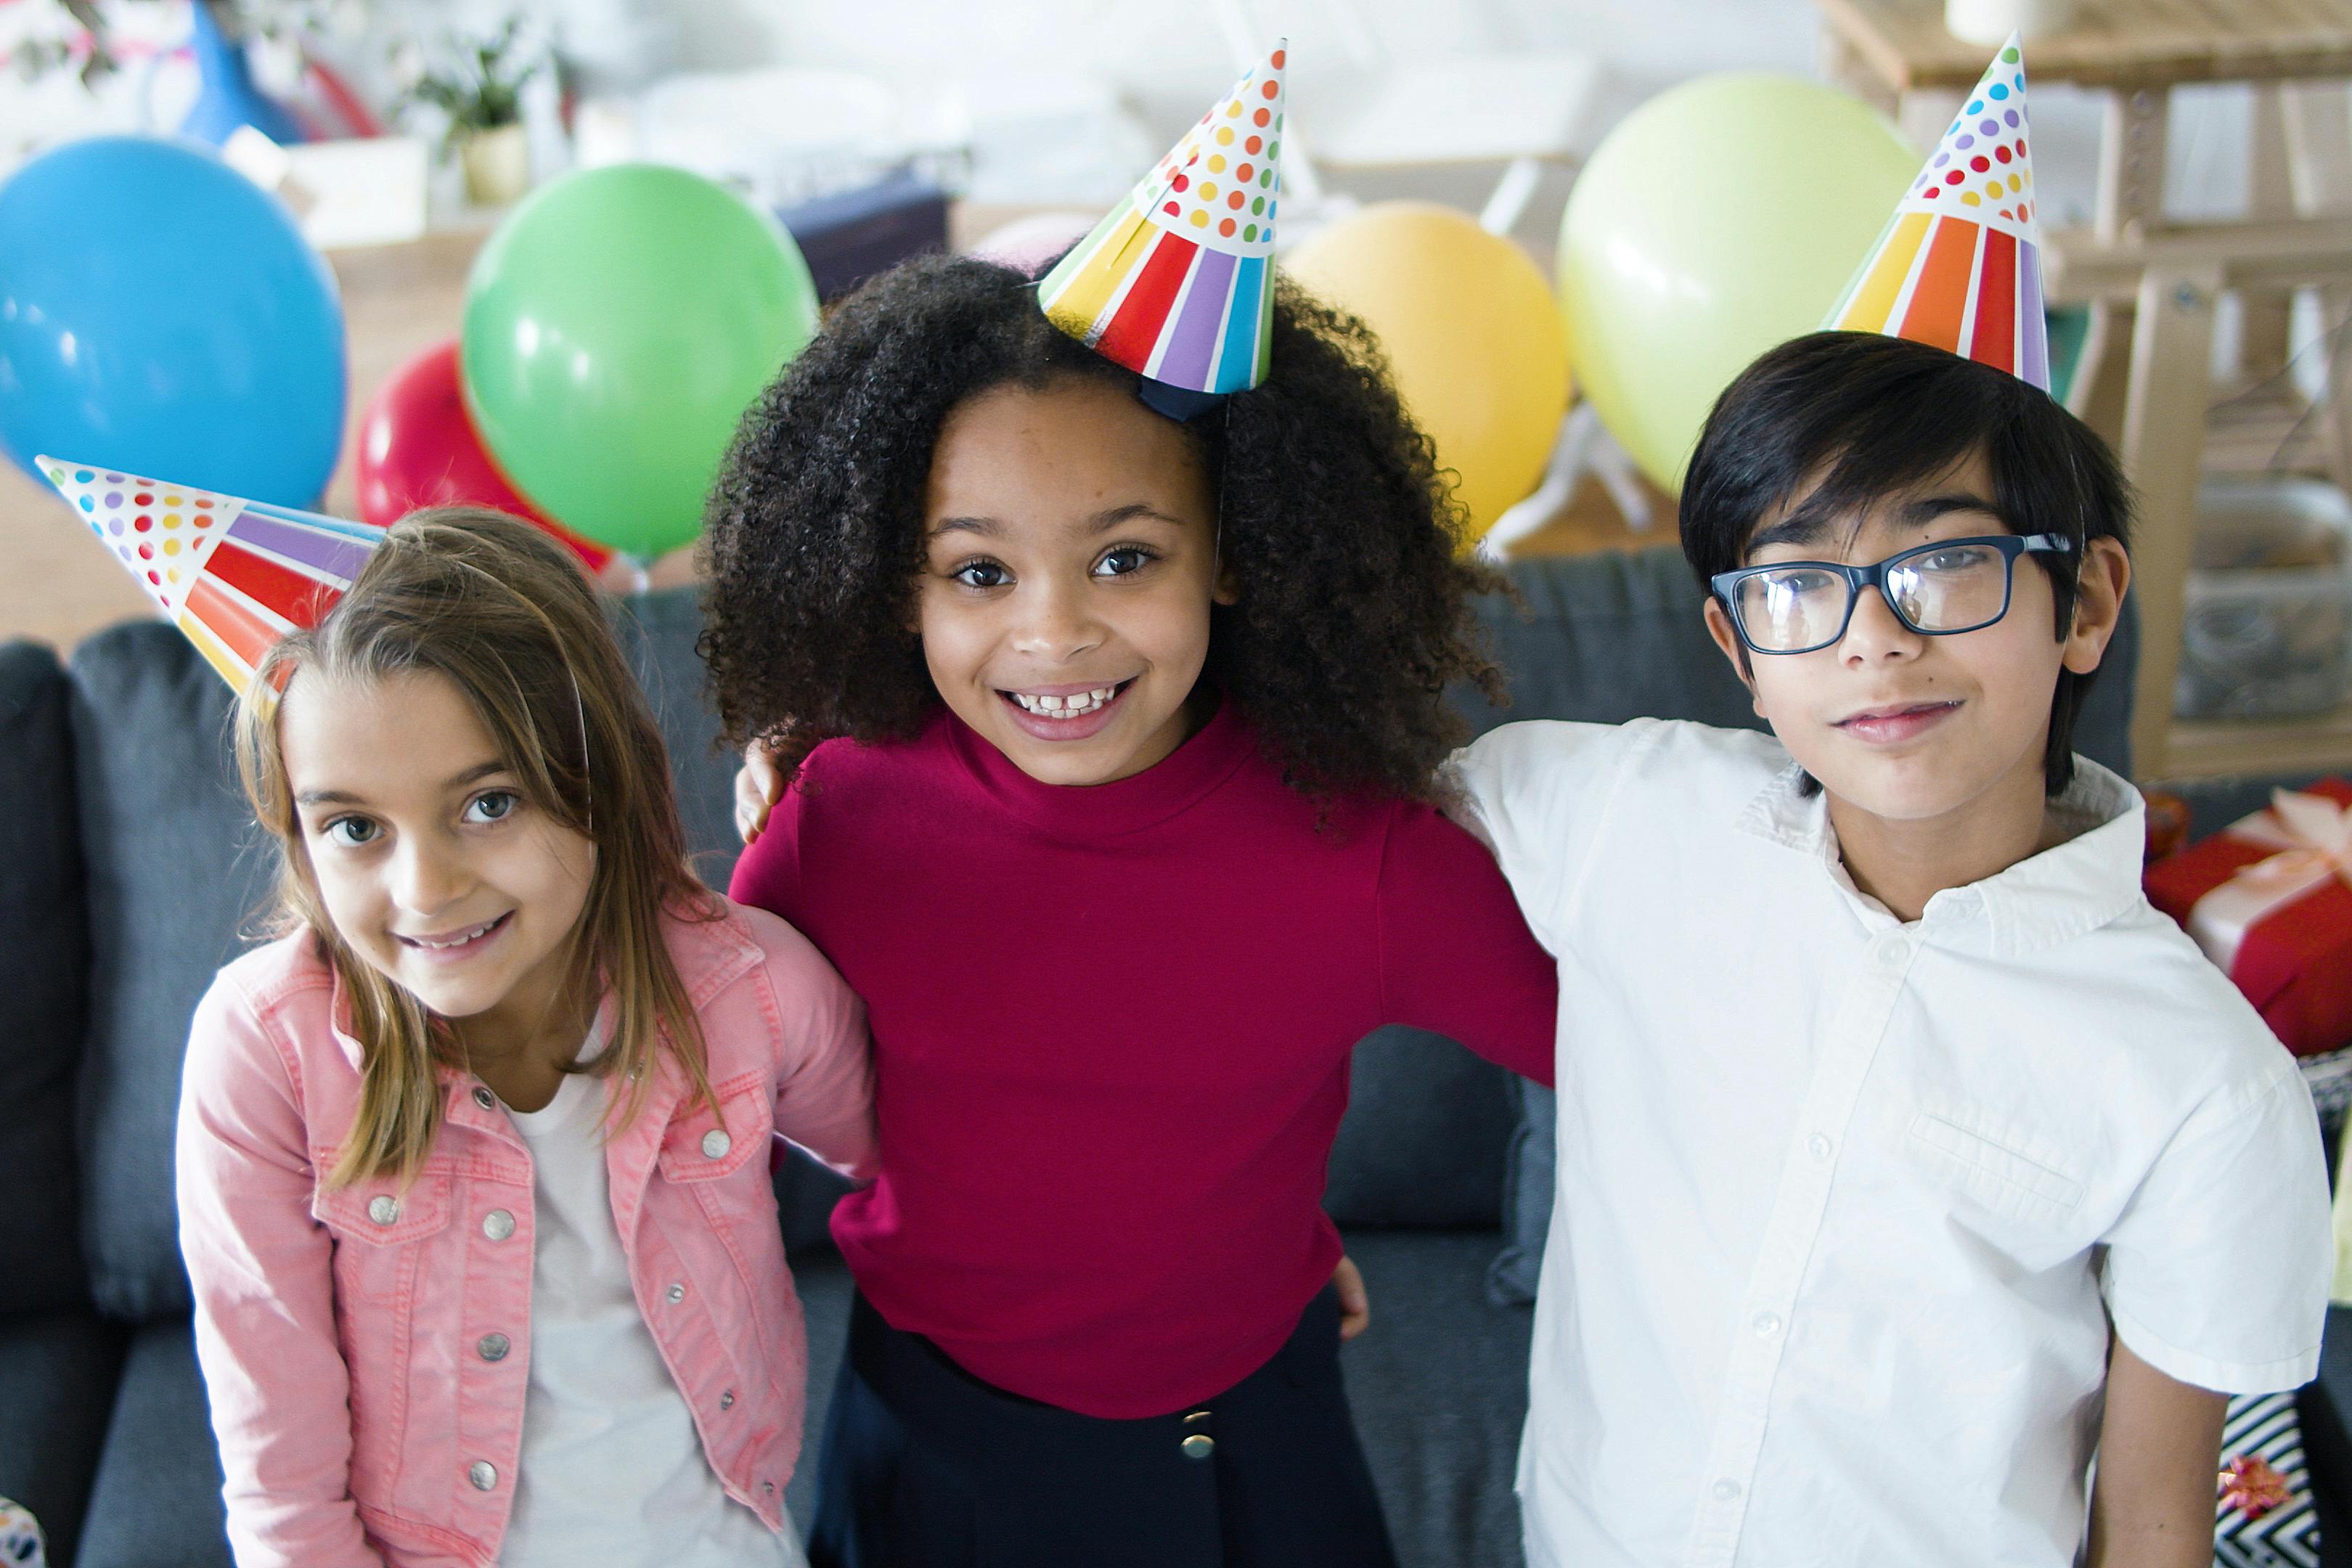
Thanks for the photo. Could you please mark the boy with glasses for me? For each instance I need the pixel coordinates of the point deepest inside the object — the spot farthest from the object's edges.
(1907, 1157)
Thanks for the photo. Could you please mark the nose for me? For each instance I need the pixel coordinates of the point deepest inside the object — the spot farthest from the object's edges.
(427, 877)
(1876, 635)
(1056, 622)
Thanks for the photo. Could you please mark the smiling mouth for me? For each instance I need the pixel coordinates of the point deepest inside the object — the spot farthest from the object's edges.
(457, 940)
(1066, 705)
(1899, 722)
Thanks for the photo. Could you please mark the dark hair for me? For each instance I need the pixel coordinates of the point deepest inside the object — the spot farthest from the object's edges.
(1851, 417)
(1353, 614)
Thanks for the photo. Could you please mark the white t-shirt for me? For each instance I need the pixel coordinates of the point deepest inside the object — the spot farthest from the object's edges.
(612, 1472)
(1844, 1203)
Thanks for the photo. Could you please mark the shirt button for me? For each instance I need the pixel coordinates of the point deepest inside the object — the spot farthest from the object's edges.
(676, 1293)
(715, 1145)
(483, 1097)
(498, 1225)
(1819, 1146)
(1767, 1324)
(493, 1347)
(1894, 954)
(483, 1474)
(727, 1400)
(1199, 1446)
(384, 1208)
(1726, 1489)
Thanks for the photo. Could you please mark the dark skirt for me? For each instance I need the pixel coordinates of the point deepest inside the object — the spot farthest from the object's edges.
(925, 1466)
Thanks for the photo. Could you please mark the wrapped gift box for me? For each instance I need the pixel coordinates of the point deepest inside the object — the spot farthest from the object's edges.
(2270, 900)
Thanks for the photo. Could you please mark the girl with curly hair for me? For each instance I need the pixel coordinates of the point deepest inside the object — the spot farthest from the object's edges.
(1107, 744)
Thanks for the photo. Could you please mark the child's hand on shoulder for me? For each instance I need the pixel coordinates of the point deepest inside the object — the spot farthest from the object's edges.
(758, 784)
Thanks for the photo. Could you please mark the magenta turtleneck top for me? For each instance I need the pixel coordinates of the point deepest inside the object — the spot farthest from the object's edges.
(1111, 1031)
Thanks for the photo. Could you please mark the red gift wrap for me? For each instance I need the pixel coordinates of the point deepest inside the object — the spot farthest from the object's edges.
(2270, 900)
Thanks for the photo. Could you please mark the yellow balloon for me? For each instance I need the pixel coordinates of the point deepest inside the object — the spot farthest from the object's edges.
(1471, 334)
(1718, 219)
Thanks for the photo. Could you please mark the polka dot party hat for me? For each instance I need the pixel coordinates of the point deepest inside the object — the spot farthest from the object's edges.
(1177, 283)
(236, 576)
(1960, 264)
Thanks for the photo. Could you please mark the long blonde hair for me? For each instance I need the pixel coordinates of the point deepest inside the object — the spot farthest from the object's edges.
(499, 610)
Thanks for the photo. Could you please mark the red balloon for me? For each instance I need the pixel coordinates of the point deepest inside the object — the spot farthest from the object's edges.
(418, 449)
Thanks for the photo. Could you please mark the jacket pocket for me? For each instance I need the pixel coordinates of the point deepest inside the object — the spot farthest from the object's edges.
(701, 1146)
(1984, 1163)
(382, 1213)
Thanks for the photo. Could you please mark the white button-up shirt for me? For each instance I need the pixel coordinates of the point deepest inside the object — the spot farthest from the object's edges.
(1845, 1204)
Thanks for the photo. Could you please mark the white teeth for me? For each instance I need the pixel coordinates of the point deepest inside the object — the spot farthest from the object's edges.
(1076, 706)
(459, 941)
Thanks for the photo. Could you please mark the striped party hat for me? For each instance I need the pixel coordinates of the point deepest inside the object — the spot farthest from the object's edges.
(1960, 264)
(235, 575)
(1176, 284)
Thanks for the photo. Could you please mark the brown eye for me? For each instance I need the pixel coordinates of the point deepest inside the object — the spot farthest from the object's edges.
(981, 574)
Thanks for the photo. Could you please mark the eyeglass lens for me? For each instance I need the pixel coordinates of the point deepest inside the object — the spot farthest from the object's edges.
(1954, 590)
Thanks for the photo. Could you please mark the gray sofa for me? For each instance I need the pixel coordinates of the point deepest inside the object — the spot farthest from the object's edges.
(128, 869)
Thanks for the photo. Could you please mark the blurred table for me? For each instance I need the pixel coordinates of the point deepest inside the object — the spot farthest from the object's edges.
(2144, 377)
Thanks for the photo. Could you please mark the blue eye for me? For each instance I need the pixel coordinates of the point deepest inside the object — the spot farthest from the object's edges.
(351, 832)
(493, 806)
(1124, 561)
(981, 574)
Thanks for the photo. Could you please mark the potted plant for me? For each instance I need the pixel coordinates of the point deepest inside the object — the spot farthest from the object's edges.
(480, 91)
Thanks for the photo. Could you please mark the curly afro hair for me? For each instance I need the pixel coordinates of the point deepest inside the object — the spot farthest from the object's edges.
(1353, 614)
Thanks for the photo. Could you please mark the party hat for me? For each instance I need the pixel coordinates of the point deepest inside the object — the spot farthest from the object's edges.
(235, 575)
(1177, 283)
(1960, 266)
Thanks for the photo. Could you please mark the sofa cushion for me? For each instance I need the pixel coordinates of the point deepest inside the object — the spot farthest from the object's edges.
(156, 1500)
(1423, 1139)
(43, 964)
(1439, 1385)
(1530, 1167)
(175, 872)
(58, 1377)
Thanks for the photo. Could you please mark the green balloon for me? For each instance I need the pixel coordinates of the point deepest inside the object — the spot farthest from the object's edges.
(1720, 218)
(618, 325)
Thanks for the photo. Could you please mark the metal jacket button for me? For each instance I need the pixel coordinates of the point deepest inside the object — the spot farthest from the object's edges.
(384, 1208)
(498, 1225)
(493, 1347)
(727, 1400)
(483, 1474)
(715, 1145)
(483, 1097)
(1199, 1446)
(676, 1293)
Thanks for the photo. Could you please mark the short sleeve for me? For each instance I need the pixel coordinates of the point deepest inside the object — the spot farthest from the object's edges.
(2217, 1269)
(1534, 792)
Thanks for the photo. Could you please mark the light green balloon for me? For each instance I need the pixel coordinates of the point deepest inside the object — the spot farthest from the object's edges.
(1720, 218)
(618, 325)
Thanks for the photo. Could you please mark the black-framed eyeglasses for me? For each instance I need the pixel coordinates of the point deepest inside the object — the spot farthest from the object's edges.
(1938, 590)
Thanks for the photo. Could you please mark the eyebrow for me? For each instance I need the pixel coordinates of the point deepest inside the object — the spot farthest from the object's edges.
(478, 771)
(1806, 526)
(1101, 523)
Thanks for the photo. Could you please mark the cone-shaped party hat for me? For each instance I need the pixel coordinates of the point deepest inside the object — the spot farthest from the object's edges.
(1178, 282)
(1960, 264)
(236, 576)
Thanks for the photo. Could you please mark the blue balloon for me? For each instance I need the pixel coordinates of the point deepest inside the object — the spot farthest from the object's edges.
(161, 314)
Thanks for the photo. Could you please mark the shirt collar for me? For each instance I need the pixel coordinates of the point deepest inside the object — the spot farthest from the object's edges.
(2046, 898)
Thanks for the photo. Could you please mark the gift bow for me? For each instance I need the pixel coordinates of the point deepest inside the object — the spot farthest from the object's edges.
(2313, 836)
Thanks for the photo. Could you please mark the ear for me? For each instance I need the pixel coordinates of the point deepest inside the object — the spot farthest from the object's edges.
(2098, 603)
(1228, 590)
(1727, 639)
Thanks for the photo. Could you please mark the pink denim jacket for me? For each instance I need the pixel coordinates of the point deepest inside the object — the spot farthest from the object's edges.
(341, 1330)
